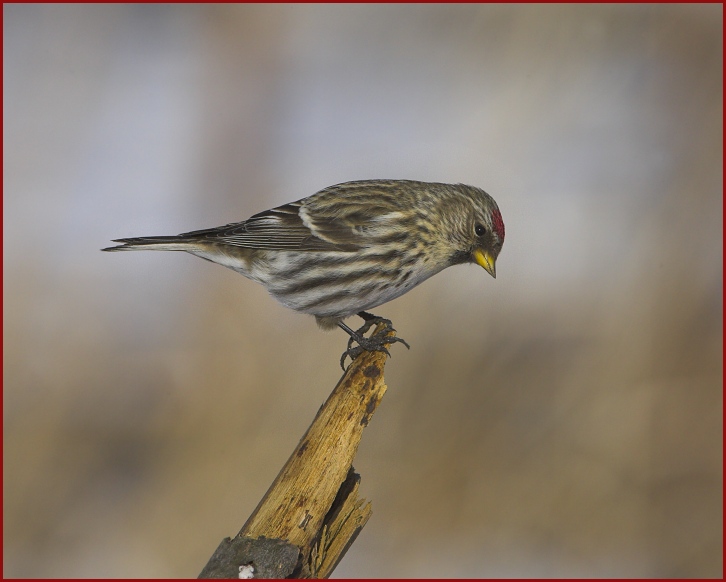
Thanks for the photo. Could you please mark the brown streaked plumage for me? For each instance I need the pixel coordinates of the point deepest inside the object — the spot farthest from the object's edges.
(352, 246)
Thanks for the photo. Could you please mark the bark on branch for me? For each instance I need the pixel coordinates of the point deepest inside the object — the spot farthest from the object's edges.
(311, 513)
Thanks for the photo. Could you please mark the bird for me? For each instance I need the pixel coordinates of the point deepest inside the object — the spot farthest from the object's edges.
(351, 247)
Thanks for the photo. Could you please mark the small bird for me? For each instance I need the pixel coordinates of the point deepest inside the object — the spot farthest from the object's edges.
(351, 247)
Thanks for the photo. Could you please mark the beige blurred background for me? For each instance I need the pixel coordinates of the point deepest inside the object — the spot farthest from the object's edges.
(563, 420)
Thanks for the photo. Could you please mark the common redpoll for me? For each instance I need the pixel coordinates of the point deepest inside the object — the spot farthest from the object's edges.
(351, 247)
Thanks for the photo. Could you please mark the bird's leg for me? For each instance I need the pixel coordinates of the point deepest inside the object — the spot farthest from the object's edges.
(374, 343)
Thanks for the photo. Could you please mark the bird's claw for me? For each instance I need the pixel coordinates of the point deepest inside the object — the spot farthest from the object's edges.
(375, 343)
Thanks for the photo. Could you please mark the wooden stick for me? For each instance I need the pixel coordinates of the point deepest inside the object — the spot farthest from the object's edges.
(313, 504)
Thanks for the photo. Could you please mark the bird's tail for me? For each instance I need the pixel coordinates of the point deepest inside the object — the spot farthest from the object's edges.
(153, 243)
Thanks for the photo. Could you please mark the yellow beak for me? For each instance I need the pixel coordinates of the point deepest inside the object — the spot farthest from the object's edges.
(484, 259)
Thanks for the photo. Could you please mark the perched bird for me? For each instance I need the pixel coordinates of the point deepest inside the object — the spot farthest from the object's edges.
(351, 247)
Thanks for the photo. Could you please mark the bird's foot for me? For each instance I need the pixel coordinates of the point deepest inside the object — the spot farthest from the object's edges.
(375, 343)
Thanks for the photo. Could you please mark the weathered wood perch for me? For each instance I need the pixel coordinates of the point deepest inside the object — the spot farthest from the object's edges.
(311, 514)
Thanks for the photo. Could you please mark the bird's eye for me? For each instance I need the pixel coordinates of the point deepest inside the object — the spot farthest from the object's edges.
(479, 230)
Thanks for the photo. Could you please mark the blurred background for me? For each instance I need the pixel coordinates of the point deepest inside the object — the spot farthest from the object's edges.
(563, 420)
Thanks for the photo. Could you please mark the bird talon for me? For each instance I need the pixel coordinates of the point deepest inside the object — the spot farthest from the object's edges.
(374, 343)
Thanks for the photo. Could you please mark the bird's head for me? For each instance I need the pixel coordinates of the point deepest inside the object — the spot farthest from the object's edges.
(479, 229)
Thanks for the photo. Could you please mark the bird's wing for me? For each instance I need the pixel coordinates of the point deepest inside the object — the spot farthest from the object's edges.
(280, 228)
(346, 217)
